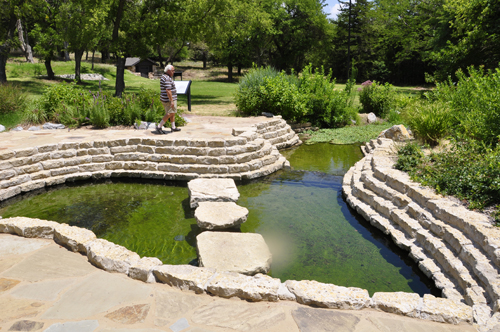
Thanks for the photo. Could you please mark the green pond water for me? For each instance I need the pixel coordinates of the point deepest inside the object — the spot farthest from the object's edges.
(311, 231)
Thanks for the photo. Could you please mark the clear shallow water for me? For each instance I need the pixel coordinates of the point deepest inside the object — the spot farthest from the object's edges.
(311, 231)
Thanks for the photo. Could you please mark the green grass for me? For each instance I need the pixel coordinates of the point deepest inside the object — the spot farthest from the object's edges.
(347, 135)
(10, 120)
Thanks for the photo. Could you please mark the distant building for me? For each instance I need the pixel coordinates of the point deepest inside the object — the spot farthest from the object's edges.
(141, 67)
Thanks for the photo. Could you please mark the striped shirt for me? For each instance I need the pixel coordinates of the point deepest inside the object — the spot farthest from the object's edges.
(167, 83)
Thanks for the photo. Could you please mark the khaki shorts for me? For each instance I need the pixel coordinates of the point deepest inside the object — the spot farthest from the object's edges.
(168, 109)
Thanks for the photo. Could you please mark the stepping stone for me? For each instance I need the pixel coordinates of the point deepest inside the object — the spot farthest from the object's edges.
(245, 253)
(212, 190)
(220, 215)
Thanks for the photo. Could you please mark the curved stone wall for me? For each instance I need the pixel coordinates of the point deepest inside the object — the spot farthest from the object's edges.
(249, 154)
(114, 258)
(459, 249)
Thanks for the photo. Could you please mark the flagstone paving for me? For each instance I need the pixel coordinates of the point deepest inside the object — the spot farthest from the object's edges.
(45, 287)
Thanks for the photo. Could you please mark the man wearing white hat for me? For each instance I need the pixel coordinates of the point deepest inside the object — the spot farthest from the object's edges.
(168, 97)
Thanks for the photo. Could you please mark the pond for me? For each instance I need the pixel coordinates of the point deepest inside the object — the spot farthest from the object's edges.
(311, 231)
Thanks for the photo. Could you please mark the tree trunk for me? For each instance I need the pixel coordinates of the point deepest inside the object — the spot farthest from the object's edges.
(66, 53)
(204, 60)
(93, 54)
(48, 66)
(160, 57)
(120, 73)
(78, 63)
(25, 46)
(104, 55)
(86, 55)
(239, 69)
(230, 72)
(4, 55)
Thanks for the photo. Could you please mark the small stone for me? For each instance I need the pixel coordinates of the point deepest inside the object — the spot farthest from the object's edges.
(213, 190)
(400, 303)
(33, 128)
(396, 133)
(130, 314)
(257, 288)
(110, 257)
(245, 253)
(445, 310)
(220, 215)
(184, 276)
(49, 125)
(31, 228)
(285, 294)
(180, 325)
(17, 129)
(143, 269)
(26, 325)
(371, 118)
(2, 128)
(73, 237)
(328, 296)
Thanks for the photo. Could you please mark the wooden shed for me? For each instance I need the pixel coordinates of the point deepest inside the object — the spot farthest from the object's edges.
(144, 67)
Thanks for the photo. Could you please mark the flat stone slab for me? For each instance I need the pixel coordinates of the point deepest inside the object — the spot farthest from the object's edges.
(212, 190)
(245, 253)
(12, 245)
(220, 215)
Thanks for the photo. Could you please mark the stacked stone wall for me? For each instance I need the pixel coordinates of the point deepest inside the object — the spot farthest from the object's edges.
(457, 248)
(244, 156)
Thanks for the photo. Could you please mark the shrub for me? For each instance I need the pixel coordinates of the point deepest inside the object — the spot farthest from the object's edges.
(410, 156)
(469, 170)
(310, 97)
(326, 106)
(99, 115)
(56, 96)
(429, 121)
(13, 99)
(377, 98)
(475, 101)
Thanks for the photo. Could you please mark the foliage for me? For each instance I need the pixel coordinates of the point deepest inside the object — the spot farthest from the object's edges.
(429, 121)
(469, 170)
(347, 135)
(410, 156)
(13, 99)
(325, 105)
(308, 97)
(70, 105)
(377, 98)
(475, 101)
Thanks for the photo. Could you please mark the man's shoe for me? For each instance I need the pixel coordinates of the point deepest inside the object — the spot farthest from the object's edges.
(176, 129)
(158, 129)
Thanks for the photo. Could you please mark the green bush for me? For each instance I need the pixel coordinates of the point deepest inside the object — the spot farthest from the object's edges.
(13, 99)
(475, 101)
(99, 115)
(429, 121)
(410, 156)
(469, 170)
(377, 98)
(56, 96)
(310, 97)
(326, 106)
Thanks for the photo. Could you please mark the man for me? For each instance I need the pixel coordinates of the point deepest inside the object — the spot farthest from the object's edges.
(168, 97)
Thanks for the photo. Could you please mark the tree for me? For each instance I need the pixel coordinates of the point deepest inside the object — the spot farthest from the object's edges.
(469, 35)
(82, 23)
(128, 37)
(298, 27)
(10, 12)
